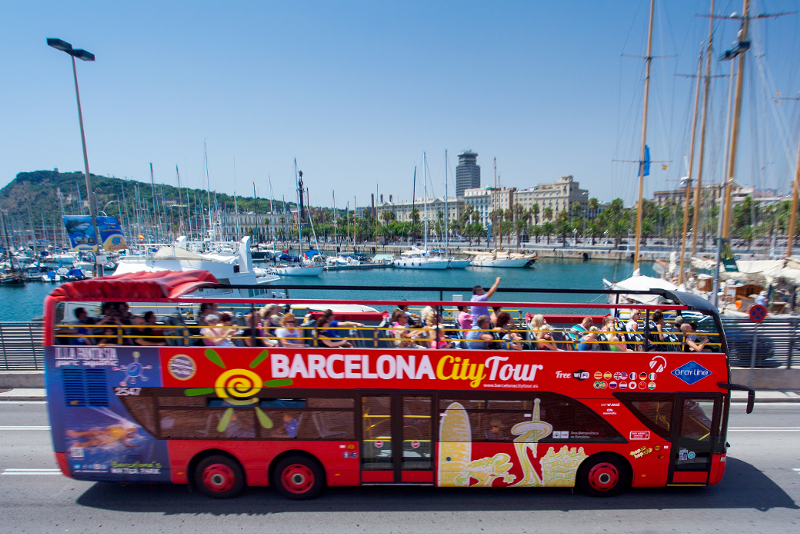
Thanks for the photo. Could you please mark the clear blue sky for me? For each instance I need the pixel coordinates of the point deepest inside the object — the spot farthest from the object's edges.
(356, 91)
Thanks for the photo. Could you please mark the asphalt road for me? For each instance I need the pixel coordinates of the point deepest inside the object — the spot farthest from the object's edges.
(760, 493)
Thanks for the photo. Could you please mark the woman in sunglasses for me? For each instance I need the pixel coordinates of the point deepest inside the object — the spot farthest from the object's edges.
(288, 334)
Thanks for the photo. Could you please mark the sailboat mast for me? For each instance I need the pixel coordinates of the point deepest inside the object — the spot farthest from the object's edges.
(235, 202)
(737, 112)
(446, 212)
(648, 61)
(793, 216)
(208, 192)
(425, 196)
(494, 207)
(697, 190)
(691, 163)
(155, 206)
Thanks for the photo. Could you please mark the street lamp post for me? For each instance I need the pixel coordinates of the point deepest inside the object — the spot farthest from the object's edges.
(58, 44)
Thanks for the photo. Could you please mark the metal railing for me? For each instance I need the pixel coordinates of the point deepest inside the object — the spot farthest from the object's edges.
(777, 344)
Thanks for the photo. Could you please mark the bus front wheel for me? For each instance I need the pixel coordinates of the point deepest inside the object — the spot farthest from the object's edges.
(603, 475)
(298, 477)
(219, 477)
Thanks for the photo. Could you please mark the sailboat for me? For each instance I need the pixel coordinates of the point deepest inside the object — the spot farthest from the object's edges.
(305, 267)
(420, 258)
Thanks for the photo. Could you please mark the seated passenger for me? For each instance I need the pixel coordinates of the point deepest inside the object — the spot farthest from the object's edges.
(505, 327)
(326, 333)
(544, 338)
(496, 310)
(404, 336)
(109, 337)
(464, 319)
(290, 424)
(692, 343)
(253, 336)
(580, 329)
(270, 320)
(495, 430)
(589, 340)
(480, 336)
(289, 335)
(80, 330)
(613, 341)
(143, 335)
(434, 329)
(206, 309)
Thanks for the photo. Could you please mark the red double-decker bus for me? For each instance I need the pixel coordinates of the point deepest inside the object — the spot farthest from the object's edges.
(164, 399)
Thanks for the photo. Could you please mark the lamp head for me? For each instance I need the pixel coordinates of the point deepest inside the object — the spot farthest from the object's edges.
(58, 44)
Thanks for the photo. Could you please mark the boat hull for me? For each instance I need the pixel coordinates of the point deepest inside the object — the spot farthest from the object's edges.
(296, 271)
(417, 264)
(503, 264)
(459, 264)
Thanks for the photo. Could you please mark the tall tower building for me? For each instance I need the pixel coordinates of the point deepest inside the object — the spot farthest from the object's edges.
(468, 172)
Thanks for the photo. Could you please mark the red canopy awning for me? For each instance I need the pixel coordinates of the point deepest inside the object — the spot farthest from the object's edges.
(136, 286)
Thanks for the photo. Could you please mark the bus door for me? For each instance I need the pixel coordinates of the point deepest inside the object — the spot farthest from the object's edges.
(695, 424)
(397, 438)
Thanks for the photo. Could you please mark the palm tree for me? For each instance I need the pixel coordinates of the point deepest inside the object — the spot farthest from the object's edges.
(534, 211)
(548, 230)
(548, 213)
(593, 207)
(519, 221)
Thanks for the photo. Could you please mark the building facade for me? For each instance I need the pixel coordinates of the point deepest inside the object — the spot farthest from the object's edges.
(561, 195)
(402, 210)
(468, 172)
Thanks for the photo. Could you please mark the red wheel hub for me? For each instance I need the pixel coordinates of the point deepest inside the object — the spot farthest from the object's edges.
(297, 479)
(604, 476)
(218, 478)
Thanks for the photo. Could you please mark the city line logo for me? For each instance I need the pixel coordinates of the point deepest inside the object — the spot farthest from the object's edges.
(691, 372)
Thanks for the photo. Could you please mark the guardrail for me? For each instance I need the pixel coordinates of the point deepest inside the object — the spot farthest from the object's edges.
(777, 344)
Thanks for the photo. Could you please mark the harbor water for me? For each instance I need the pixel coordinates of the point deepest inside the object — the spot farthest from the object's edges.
(25, 303)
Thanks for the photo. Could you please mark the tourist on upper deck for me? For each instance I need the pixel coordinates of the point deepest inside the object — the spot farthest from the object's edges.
(544, 338)
(464, 318)
(494, 314)
(632, 325)
(144, 335)
(480, 336)
(613, 341)
(581, 329)
(289, 335)
(252, 334)
(327, 334)
(505, 327)
(413, 318)
(478, 295)
(589, 340)
(206, 308)
(659, 337)
(536, 323)
(270, 318)
(434, 329)
(404, 336)
(691, 342)
(124, 313)
(109, 337)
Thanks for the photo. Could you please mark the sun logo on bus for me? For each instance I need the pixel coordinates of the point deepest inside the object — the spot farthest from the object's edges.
(238, 388)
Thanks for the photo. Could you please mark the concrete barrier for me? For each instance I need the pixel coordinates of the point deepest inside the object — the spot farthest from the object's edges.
(22, 379)
(768, 379)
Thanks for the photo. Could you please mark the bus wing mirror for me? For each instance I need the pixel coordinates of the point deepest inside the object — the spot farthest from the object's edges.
(751, 393)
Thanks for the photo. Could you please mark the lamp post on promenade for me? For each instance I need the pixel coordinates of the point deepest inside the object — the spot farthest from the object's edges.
(58, 44)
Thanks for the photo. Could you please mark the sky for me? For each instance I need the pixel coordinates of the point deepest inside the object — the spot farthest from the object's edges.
(356, 91)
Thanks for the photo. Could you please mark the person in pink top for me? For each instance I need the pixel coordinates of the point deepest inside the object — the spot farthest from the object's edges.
(464, 318)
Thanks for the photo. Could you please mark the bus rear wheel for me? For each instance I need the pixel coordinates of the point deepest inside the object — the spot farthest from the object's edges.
(219, 477)
(298, 478)
(603, 476)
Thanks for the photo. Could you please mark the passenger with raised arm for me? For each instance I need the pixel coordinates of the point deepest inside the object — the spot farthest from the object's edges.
(288, 334)
(478, 295)
(544, 339)
(506, 327)
(327, 334)
(480, 336)
(691, 342)
(613, 341)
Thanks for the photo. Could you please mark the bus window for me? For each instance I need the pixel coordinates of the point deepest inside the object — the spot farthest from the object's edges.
(417, 429)
(652, 409)
(207, 423)
(376, 429)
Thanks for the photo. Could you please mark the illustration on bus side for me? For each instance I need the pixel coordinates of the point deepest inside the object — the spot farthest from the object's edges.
(457, 468)
(99, 437)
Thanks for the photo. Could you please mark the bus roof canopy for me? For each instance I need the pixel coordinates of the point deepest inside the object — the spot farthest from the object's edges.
(137, 286)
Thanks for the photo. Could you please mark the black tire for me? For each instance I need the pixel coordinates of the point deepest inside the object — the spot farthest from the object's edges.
(603, 475)
(298, 478)
(219, 477)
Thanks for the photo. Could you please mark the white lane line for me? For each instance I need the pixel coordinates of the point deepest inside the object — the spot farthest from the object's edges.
(31, 471)
(25, 427)
(763, 429)
(796, 469)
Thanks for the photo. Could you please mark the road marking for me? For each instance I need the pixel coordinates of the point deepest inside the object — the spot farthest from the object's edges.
(31, 471)
(763, 429)
(27, 427)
